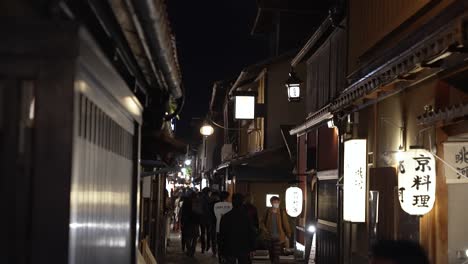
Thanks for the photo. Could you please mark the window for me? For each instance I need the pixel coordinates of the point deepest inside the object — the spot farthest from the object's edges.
(268, 197)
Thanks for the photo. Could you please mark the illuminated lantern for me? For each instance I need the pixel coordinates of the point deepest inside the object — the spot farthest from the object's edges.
(355, 180)
(206, 130)
(294, 201)
(416, 181)
(293, 86)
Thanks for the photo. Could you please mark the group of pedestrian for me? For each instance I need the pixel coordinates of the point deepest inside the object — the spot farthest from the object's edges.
(197, 221)
(228, 229)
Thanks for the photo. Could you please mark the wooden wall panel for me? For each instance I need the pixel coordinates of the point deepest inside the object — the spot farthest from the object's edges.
(312, 88)
(384, 180)
(301, 168)
(433, 225)
(370, 21)
(337, 63)
(327, 149)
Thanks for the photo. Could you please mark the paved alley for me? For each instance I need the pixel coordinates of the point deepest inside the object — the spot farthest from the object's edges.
(175, 254)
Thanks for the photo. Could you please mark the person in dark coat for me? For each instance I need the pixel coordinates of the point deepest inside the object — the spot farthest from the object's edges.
(206, 226)
(214, 199)
(251, 210)
(190, 223)
(237, 233)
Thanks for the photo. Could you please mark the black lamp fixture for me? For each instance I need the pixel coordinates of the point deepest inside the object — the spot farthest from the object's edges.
(293, 86)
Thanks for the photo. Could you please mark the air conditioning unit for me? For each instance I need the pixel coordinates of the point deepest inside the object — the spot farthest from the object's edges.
(227, 152)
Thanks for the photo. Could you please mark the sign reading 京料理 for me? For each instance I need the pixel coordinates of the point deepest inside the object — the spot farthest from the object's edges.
(417, 181)
(456, 155)
(294, 201)
(355, 180)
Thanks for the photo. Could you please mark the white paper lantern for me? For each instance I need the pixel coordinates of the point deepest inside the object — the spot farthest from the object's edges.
(417, 181)
(355, 180)
(294, 201)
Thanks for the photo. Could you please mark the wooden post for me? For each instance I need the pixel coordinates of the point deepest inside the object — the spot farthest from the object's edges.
(434, 225)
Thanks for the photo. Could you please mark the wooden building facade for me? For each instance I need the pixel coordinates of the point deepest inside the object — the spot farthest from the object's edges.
(403, 86)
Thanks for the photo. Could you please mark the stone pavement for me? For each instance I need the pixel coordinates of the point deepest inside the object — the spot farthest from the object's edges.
(175, 255)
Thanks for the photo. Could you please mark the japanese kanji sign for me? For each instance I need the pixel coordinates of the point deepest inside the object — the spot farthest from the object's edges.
(294, 201)
(355, 180)
(417, 181)
(456, 155)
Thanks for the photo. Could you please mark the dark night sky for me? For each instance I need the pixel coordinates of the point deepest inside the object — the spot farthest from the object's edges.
(213, 43)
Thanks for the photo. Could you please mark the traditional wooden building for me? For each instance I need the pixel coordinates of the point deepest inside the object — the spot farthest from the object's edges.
(261, 163)
(324, 57)
(405, 88)
(75, 78)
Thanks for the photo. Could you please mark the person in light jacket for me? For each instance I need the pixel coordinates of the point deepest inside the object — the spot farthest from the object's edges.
(276, 225)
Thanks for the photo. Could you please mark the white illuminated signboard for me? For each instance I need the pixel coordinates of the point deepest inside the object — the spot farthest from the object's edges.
(355, 180)
(294, 201)
(456, 155)
(245, 107)
(416, 181)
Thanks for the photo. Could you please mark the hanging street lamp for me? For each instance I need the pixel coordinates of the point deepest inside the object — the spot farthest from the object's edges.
(206, 130)
(293, 86)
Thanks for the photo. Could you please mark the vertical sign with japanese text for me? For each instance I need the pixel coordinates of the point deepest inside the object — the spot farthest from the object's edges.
(456, 155)
(417, 181)
(294, 201)
(355, 180)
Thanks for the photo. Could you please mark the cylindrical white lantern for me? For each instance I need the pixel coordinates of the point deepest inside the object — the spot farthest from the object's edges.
(355, 180)
(417, 181)
(294, 199)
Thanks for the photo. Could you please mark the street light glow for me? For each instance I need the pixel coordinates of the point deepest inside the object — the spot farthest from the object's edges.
(206, 130)
(188, 162)
(311, 229)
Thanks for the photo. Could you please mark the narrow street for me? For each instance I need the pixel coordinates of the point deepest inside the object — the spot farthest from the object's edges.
(313, 132)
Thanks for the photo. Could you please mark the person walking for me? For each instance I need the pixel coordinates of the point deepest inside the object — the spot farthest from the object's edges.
(236, 233)
(278, 230)
(251, 211)
(205, 220)
(221, 208)
(253, 216)
(190, 224)
(213, 200)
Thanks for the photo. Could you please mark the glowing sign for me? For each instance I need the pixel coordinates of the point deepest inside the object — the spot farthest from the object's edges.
(417, 181)
(355, 180)
(294, 201)
(245, 107)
